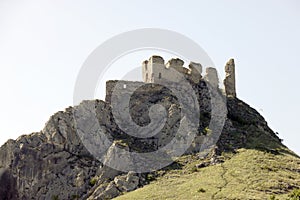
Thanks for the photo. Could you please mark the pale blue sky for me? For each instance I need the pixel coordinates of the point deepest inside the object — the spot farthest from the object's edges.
(44, 43)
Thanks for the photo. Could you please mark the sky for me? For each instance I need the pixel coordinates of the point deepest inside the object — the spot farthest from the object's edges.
(43, 45)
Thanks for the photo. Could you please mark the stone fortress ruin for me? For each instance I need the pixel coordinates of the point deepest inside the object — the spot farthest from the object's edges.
(155, 70)
(132, 100)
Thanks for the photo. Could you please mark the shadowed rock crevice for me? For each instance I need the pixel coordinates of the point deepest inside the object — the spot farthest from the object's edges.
(8, 186)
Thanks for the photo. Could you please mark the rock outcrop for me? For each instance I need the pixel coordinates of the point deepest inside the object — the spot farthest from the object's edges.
(122, 183)
(50, 163)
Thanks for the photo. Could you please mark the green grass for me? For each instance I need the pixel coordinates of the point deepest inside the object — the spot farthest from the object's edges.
(249, 174)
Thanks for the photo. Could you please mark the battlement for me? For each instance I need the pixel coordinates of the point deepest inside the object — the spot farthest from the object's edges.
(175, 62)
(155, 70)
(212, 76)
(157, 60)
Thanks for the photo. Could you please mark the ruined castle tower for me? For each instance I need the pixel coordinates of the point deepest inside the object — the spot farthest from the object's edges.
(152, 69)
(156, 71)
(229, 81)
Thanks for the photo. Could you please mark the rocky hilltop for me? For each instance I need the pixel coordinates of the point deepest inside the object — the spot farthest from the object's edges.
(55, 164)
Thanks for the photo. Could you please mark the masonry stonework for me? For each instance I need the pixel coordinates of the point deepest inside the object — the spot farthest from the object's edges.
(155, 70)
(229, 81)
(211, 76)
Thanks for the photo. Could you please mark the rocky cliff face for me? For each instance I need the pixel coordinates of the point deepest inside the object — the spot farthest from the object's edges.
(49, 163)
(54, 163)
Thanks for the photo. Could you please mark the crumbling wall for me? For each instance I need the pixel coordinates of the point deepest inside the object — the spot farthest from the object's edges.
(155, 70)
(229, 81)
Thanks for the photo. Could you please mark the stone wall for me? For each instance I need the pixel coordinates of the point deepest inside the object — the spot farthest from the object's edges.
(155, 70)
(211, 76)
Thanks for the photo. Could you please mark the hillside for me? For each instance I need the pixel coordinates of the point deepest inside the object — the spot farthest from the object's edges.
(248, 174)
(226, 148)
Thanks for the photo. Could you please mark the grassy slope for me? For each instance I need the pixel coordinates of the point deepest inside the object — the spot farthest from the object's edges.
(249, 174)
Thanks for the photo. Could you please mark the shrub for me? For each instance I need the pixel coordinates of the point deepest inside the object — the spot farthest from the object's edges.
(55, 197)
(150, 177)
(206, 131)
(194, 169)
(75, 196)
(295, 195)
(201, 190)
(273, 197)
(93, 181)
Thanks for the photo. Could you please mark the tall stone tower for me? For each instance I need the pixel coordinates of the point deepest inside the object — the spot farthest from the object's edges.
(229, 81)
(152, 69)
